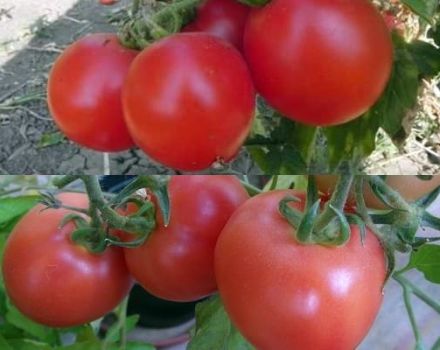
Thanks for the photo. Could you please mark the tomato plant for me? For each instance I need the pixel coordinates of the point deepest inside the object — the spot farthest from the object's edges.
(318, 62)
(189, 101)
(177, 261)
(54, 281)
(84, 92)
(410, 187)
(223, 18)
(316, 295)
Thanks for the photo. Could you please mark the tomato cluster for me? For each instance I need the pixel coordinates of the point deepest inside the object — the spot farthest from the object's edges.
(59, 283)
(188, 99)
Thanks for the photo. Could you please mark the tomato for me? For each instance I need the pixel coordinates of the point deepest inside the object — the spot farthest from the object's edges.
(84, 92)
(177, 262)
(223, 18)
(189, 101)
(108, 2)
(410, 188)
(319, 62)
(52, 280)
(284, 295)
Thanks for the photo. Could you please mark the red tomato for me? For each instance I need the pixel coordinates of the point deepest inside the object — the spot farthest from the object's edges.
(189, 101)
(108, 2)
(319, 62)
(52, 280)
(223, 18)
(284, 295)
(177, 262)
(84, 92)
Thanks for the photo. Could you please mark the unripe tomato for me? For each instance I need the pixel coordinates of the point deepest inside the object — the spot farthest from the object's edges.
(177, 262)
(84, 92)
(319, 62)
(54, 281)
(284, 295)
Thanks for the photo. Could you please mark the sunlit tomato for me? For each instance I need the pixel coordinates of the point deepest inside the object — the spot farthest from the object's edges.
(177, 262)
(410, 187)
(319, 62)
(284, 295)
(84, 92)
(223, 18)
(189, 101)
(54, 281)
(108, 2)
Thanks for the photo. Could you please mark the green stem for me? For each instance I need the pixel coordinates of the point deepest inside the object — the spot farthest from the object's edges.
(403, 281)
(136, 6)
(122, 315)
(337, 201)
(412, 318)
(393, 197)
(273, 184)
(63, 181)
(251, 189)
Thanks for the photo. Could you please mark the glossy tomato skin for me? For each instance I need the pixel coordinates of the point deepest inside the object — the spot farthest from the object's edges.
(84, 92)
(177, 262)
(54, 281)
(319, 62)
(223, 18)
(189, 101)
(283, 295)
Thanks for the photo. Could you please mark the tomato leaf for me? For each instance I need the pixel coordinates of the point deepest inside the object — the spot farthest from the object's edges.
(427, 260)
(28, 344)
(113, 333)
(13, 208)
(423, 8)
(51, 139)
(43, 333)
(214, 330)
(426, 56)
(4, 344)
(133, 345)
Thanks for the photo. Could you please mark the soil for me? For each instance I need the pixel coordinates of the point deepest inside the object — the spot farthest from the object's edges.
(34, 32)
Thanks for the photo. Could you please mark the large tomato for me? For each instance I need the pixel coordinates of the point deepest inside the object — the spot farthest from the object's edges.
(52, 280)
(189, 101)
(223, 18)
(319, 62)
(84, 92)
(284, 295)
(410, 188)
(177, 262)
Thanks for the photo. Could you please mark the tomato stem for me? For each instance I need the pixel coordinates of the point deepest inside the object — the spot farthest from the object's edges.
(403, 281)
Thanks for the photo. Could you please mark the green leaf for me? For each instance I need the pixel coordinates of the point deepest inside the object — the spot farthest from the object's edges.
(133, 345)
(427, 260)
(12, 208)
(43, 333)
(83, 345)
(51, 139)
(113, 334)
(427, 58)
(214, 330)
(28, 344)
(4, 344)
(423, 8)
(287, 181)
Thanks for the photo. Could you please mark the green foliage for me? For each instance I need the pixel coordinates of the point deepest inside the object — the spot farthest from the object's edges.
(427, 260)
(214, 330)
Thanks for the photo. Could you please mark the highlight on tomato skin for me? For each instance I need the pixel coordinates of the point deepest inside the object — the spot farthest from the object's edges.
(189, 101)
(319, 62)
(281, 294)
(54, 281)
(84, 92)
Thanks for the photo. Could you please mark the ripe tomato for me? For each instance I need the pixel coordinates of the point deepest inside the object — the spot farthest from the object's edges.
(84, 92)
(319, 62)
(177, 262)
(108, 2)
(189, 101)
(52, 280)
(284, 295)
(410, 187)
(223, 18)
